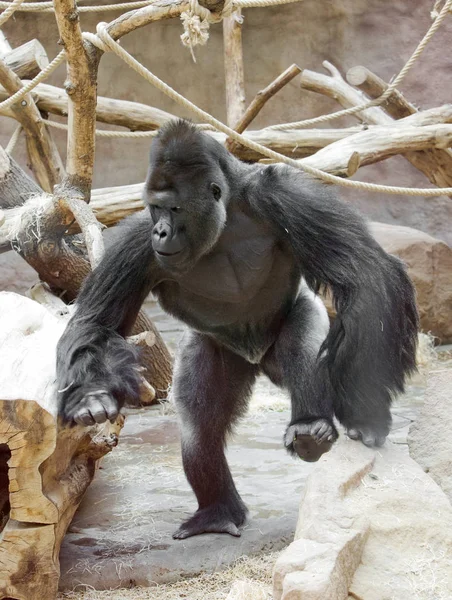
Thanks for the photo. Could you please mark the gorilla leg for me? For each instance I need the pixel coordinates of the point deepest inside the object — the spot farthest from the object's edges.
(211, 388)
(292, 363)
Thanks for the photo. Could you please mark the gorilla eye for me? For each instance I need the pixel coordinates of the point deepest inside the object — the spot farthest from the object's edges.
(216, 191)
(176, 209)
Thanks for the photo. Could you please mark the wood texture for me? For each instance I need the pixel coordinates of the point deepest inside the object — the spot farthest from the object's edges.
(44, 469)
(436, 164)
(132, 115)
(27, 60)
(233, 68)
(43, 154)
(436, 167)
(81, 88)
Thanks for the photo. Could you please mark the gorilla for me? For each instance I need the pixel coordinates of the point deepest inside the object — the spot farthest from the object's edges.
(238, 252)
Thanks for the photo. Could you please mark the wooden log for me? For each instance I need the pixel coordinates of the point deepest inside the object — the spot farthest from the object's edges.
(5, 46)
(15, 185)
(437, 167)
(27, 60)
(373, 86)
(435, 163)
(132, 115)
(42, 151)
(376, 144)
(44, 469)
(233, 68)
(81, 88)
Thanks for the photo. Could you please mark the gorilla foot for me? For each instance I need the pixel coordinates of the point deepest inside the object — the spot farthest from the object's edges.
(367, 435)
(310, 440)
(88, 406)
(218, 518)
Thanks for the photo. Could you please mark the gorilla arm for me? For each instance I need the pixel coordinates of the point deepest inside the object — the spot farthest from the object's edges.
(96, 367)
(371, 345)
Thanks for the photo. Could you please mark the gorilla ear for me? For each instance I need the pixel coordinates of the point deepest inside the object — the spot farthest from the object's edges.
(216, 191)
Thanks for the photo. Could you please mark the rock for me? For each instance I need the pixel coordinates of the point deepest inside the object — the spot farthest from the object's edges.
(429, 438)
(429, 263)
(367, 528)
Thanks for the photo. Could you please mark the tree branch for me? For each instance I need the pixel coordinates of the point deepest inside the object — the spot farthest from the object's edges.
(259, 102)
(27, 60)
(376, 144)
(233, 67)
(81, 87)
(42, 151)
(430, 163)
(263, 96)
(133, 115)
(435, 163)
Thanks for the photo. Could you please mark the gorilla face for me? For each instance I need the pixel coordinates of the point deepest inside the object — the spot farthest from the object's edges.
(186, 192)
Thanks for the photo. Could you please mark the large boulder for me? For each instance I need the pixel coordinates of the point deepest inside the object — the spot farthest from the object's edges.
(429, 438)
(372, 526)
(429, 263)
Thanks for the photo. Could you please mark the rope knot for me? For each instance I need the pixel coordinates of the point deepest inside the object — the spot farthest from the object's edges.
(196, 22)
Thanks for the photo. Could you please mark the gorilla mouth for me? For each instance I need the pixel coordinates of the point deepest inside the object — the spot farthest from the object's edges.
(166, 254)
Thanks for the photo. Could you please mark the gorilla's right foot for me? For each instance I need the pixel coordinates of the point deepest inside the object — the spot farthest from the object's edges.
(217, 518)
(310, 440)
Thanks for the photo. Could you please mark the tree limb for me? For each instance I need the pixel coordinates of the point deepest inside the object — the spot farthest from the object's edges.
(132, 115)
(28, 60)
(42, 151)
(376, 144)
(233, 67)
(435, 163)
(81, 87)
(337, 88)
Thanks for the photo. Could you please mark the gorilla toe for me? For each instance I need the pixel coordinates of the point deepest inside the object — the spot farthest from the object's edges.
(218, 518)
(368, 437)
(310, 440)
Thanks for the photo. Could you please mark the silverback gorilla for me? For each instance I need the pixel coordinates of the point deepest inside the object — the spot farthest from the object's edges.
(237, 252)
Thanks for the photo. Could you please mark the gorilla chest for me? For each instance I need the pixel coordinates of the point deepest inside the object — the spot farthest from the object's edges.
(235, 281)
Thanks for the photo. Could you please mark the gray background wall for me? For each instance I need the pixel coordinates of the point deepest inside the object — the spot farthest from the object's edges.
(380, 34)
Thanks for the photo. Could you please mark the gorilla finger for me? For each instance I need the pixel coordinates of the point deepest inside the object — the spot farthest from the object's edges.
(97, 411)
(110, 406)
(83, 417)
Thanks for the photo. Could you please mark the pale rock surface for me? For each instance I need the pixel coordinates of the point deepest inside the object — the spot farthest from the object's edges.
(373, 525)
(429, 438)
(429, 263)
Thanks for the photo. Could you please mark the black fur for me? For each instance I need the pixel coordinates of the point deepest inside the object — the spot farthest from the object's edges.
(234, 250)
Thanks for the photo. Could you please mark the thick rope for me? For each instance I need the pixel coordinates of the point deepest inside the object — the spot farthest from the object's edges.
(34, 82)
(104, 41)
(10, 9)
(391, 88)
(436, 9)
(47, 7)
(14, 139)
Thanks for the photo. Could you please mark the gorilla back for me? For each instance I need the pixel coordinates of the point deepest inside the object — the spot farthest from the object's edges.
(237, 252)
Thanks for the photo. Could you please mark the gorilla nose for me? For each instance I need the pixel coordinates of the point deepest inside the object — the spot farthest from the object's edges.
(163, 240)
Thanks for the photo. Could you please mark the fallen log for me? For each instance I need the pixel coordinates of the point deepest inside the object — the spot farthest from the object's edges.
(44, 468)
(27, 60)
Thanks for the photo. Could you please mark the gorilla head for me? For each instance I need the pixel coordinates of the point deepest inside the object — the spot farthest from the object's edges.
(187, 193)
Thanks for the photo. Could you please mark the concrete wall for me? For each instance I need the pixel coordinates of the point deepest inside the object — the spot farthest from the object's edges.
(380, 34)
